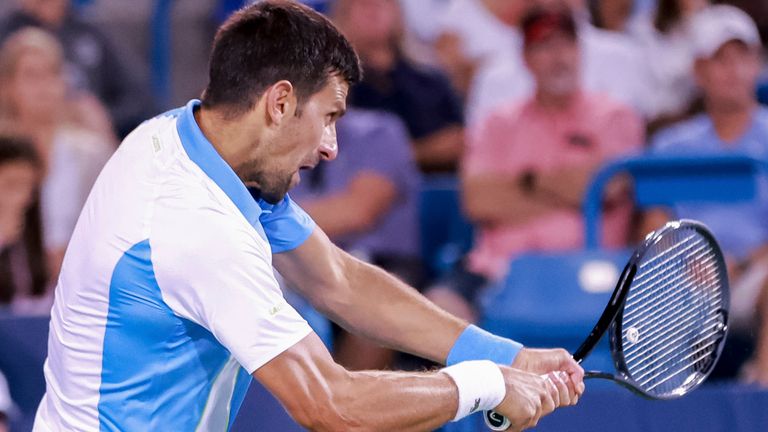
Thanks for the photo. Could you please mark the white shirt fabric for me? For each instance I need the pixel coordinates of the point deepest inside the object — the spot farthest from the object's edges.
(669, 65)
(167, 300)
(611, 64)
(484, 38)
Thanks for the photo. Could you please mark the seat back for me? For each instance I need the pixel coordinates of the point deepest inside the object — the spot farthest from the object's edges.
(23, 348)
(446, 235)
(666, 180)
(554, 299)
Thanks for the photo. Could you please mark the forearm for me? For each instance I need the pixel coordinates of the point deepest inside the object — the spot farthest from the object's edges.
(388, 401)
(565, 186)
(440, 149)
(381, 307)
(322, 396)
(495, 199)
(357, 207)
(335, 223)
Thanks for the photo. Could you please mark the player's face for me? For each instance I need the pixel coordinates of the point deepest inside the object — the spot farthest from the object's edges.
(300, 143)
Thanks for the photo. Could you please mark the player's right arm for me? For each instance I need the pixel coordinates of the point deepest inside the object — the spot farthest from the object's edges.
(322, 396)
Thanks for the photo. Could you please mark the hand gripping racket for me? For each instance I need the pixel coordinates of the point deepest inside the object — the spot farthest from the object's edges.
(667, 317)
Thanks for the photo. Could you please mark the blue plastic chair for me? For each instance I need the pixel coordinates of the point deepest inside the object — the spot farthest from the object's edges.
(666, 180)
(23, 347)
(544, 300)
(446, 235)
(554, 299)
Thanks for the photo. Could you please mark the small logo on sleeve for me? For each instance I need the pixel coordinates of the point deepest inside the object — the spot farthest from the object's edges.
(274, 310)
(476, 406)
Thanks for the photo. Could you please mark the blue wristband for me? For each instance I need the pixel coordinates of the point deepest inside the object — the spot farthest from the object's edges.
(475, 343)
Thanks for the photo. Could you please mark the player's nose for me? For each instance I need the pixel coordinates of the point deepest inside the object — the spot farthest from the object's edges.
(329, 147)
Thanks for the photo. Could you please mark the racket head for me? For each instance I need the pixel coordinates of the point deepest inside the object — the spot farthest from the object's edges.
(667, 337)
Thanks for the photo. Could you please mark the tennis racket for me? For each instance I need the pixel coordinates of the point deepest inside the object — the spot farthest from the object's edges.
(667, 317)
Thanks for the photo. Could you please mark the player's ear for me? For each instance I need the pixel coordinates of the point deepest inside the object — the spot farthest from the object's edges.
(280, 101)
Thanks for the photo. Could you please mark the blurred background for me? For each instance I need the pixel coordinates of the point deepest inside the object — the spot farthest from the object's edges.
(501, 156)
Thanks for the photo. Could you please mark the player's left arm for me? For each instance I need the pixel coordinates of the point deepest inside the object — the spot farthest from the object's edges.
(367, 300)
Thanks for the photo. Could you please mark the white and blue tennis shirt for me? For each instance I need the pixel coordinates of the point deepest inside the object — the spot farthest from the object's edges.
(167, 300)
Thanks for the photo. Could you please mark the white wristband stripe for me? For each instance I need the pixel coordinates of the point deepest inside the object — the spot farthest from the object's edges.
(481, 386)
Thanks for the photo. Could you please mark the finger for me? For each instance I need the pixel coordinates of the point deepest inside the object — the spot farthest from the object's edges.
(572, 393)
(564, 393)
(576, 374)
(550, 396)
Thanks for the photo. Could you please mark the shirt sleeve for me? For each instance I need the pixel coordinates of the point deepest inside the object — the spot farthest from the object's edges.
(215, 270)
(286, 224)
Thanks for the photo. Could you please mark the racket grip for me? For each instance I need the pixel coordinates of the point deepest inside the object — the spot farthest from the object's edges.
(496, 421)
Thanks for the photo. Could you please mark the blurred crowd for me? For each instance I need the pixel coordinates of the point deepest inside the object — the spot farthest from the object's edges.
(522, 101)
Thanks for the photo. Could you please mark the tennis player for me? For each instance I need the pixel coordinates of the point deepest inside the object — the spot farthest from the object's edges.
(167, 303)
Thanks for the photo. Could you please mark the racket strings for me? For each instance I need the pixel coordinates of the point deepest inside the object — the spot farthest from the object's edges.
(660, 324)
(671, 323)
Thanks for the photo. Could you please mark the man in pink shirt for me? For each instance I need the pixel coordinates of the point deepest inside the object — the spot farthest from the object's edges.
(528, 164)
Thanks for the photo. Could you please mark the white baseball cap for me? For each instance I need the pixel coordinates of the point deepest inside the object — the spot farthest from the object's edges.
(716, 25)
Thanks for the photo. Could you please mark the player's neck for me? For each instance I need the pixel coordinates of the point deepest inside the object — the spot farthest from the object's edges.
(224, 134)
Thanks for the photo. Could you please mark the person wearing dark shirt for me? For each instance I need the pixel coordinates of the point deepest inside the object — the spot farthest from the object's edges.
(423, 98)
(92, 63)
(23, 275)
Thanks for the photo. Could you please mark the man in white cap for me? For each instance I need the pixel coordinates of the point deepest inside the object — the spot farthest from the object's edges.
(728, 61)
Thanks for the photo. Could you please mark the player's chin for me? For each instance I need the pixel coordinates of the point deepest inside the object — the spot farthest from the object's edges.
(295, 180)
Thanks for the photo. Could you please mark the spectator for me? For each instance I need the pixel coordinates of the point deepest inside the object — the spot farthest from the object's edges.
(33, 104)
(727, 51)
(374, 180)
(473, 33)
(610, 63)
(611, 15)
(527, 166)
(665, 42)
(5, 404)
(93, 67)
(23, 275)
(421, 97)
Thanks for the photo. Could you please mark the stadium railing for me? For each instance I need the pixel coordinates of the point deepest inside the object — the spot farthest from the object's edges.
(667, 180)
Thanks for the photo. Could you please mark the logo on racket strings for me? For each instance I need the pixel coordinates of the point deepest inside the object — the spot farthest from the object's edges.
(633, 335)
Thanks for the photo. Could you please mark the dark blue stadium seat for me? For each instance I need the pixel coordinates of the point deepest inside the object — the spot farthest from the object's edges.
(554, 299)
(23, 347)
(446, 235)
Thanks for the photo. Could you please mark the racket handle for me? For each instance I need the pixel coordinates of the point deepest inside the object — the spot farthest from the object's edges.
(496, 421)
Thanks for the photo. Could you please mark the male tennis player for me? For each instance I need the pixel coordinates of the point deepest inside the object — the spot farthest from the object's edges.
(167, 303)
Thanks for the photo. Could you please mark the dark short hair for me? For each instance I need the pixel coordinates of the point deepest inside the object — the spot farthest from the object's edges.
(17, 149)
(539, 23)
(270, 41)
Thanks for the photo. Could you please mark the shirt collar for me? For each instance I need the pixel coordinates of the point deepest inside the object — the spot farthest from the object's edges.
(202, 152)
